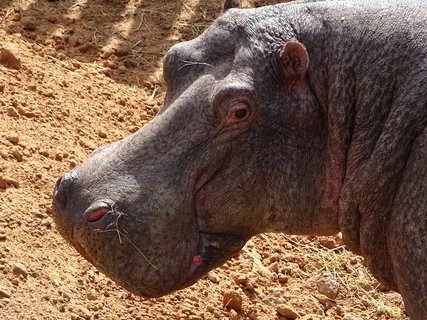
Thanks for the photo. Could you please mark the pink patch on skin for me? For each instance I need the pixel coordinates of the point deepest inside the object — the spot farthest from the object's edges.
(96, 215)
(197, 260)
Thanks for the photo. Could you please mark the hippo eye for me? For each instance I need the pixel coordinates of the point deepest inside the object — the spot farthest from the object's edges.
(238, 112)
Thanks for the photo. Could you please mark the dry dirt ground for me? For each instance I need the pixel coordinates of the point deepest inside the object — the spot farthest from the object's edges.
(76, 74)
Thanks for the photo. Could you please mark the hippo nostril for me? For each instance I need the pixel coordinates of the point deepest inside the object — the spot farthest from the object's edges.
(62, 189)
(97, 214)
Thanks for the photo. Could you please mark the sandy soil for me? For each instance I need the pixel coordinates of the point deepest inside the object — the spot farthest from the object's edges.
(77, 74)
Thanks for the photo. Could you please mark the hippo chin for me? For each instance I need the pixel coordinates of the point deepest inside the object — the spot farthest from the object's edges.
(304, 118)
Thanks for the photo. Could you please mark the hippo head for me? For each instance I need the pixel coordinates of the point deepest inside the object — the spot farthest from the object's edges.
(235, 150)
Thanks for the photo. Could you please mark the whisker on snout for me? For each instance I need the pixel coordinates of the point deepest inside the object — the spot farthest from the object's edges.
(114, 227)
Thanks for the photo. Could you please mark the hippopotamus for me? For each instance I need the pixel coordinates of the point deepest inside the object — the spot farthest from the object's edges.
(303, 118)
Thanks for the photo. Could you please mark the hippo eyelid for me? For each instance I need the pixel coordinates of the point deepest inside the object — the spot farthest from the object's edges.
(233, 91)
(230, 99)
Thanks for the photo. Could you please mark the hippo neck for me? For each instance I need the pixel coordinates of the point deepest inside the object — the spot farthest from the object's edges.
(365, 94)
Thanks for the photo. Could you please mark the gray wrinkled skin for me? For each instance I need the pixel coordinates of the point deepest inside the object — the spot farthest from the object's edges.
(341, 147)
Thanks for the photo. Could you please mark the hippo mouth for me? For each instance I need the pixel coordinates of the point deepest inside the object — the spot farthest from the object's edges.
(213, 250)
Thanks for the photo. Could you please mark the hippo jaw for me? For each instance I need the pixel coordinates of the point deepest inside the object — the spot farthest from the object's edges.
(120, 256)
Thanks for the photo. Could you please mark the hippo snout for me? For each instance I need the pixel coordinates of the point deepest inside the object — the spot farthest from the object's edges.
(61, 197)
(62, 189)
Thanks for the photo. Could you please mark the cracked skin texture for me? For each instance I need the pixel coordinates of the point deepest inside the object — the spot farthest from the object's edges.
(307, 118)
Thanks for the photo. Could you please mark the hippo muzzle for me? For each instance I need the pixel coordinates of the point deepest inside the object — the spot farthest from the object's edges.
(137, 226)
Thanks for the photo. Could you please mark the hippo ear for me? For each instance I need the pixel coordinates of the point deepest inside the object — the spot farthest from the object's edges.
(228, 4)
(294, 58)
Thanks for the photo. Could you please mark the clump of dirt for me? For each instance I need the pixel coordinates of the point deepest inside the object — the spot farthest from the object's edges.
(78, 74)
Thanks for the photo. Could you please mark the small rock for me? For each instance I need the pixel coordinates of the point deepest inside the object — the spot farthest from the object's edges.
(30, 114)
(72, 164)
(91, 295)
(58, 36)
(106, 71)
(331, 242)
(106, 53)
(5, 182)
(82, 312)
(231, 299)
(4, 154)
(133, 129)
(58, 156)
(328, 286)
(212, 276)
(8, 58)
(120, 48)
(110, 64)
(233, 315)
(102, 134)
(17, 154)
(76, 64)
(210, 309)
(251, 281)
(241, 279)
(87, 144)
(13, 138)
(274, 267)
(44, 153)
(283, 278)
(19, 269)
(287, 311)
(263, 271)
(11, 112)
(28, 24)
(61, 56)
(5, 292)
(287, 246)
(48, 93)
(47, 222)
(322, 299)
(40, 215)
(328, 243)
